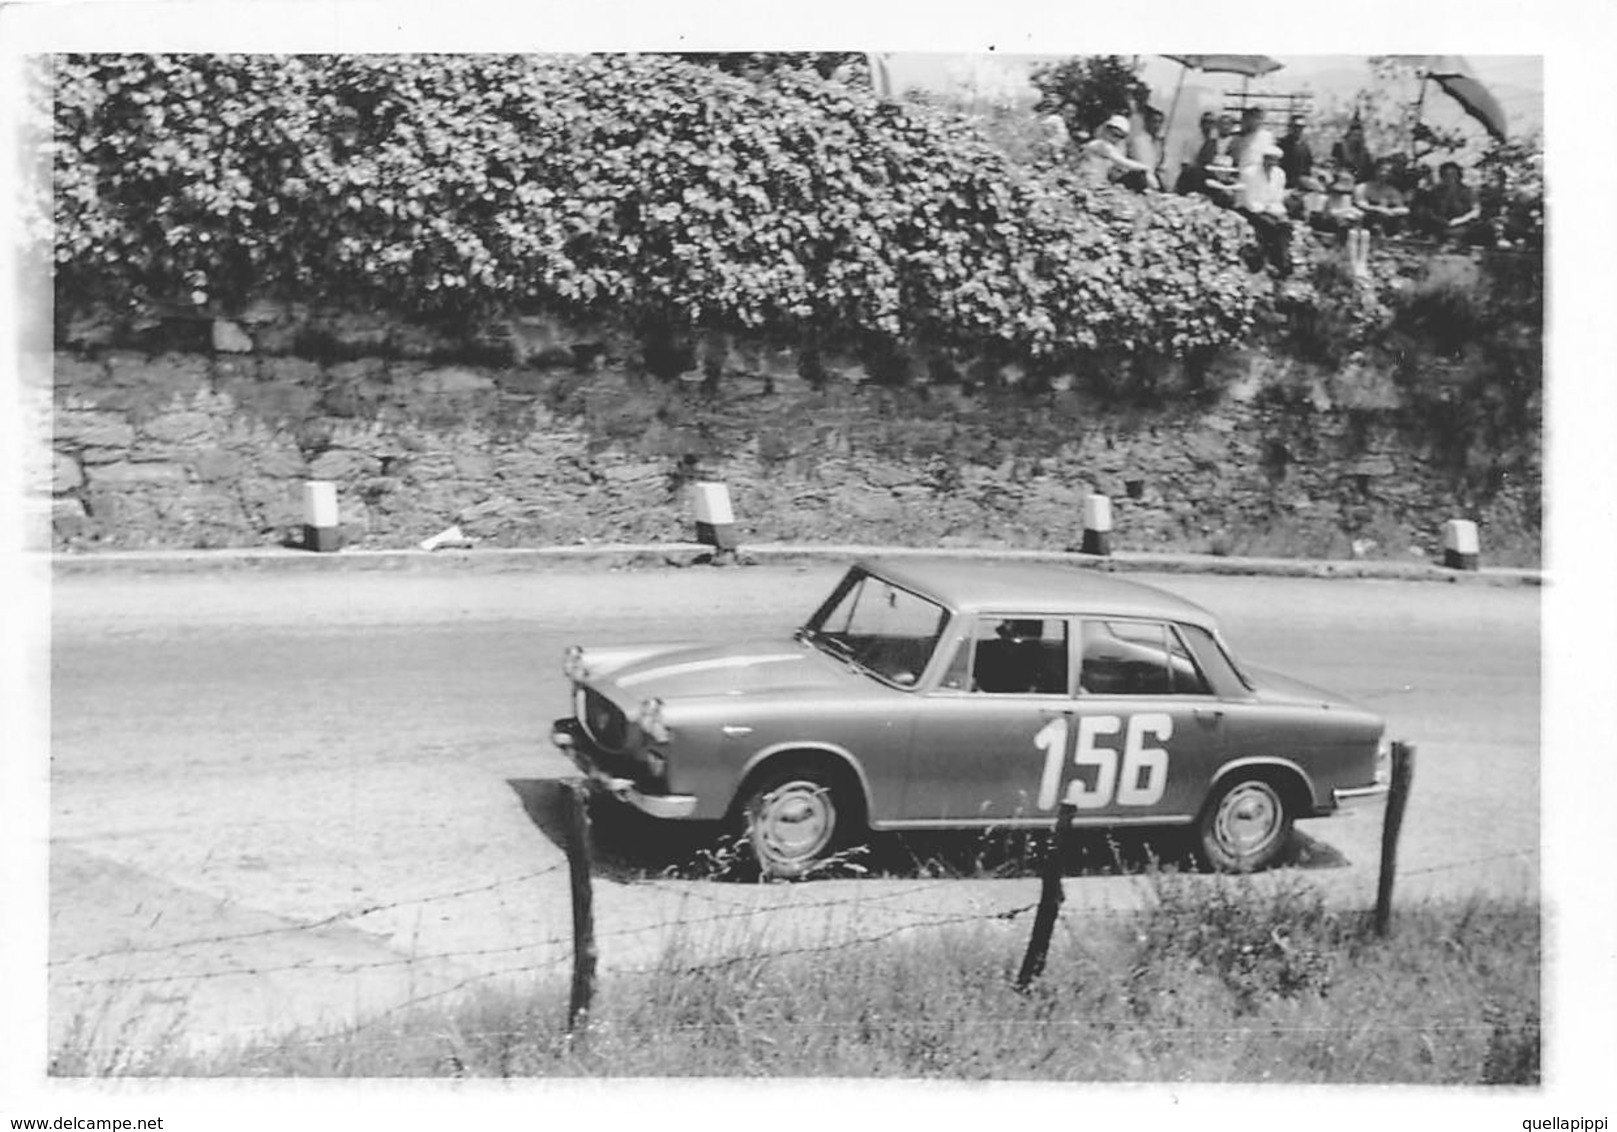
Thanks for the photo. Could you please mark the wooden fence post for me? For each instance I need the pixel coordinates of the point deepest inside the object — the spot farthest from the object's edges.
(1050, 897)
(1403, 771)
(578, 868)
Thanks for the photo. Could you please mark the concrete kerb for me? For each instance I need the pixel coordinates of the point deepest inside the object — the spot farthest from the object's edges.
(494, 560)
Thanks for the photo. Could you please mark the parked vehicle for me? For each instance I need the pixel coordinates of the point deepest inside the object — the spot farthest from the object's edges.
(927, 694)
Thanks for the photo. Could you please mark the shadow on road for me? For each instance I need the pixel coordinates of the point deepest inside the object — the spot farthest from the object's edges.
(627, 846)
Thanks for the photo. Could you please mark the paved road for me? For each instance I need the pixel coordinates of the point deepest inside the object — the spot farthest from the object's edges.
(280, 799)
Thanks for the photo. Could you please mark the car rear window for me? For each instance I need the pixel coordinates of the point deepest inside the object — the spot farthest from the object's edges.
(1138, 658)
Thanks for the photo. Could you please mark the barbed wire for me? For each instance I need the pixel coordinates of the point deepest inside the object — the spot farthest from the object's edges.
(736, 909)
(664, 967)
(334, 967)
(1514, 854)
(282, 929)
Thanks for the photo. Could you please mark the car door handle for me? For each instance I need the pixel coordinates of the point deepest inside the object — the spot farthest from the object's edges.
(1208, 715)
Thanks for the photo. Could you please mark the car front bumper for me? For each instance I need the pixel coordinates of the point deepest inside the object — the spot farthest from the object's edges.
(1359, 797)
(568, 738)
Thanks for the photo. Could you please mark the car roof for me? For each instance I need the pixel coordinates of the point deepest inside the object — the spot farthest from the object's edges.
(970, 585)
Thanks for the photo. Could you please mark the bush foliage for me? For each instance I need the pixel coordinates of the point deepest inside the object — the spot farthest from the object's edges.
(647, 188)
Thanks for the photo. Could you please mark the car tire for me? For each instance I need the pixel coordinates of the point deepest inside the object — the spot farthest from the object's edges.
(793, 819)
(1244, 827)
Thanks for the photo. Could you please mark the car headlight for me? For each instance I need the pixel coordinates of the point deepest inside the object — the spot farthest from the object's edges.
(650, 720)
(572, 664)
(1384, 763)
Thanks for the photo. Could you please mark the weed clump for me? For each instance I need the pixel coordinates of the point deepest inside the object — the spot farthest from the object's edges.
(1260, 941)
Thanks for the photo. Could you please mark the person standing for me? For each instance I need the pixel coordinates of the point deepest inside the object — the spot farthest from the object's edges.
(1296, 157)
(1254, 140)
(1193, 171)
(1145, 146)
(1352, 154)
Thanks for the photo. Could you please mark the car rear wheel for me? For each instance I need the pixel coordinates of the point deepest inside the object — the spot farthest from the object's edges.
(1244, 827)
(794, 818)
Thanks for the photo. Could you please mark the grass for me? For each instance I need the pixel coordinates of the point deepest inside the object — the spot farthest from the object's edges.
(1216, 979)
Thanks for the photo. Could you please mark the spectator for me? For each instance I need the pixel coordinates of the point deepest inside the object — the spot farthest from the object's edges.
(1450, 209)
(1341, 217)
(1222, 182)
(1261, 198)
(1297, 157)
(1380, 200)
(1145, 146)
(1307, 200)
(1352, 154)
(1193, 172)
(1102, 160)
(1248, 147)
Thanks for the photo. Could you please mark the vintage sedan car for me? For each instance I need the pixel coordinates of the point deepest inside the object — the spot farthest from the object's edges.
(927, 694)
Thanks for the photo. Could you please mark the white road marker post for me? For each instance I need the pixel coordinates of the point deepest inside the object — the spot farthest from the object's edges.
(320, 529)
(715, 521)
(1097, 525)
(1460, 544)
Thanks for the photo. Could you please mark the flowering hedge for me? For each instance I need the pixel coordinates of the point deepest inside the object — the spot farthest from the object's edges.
(644, 187)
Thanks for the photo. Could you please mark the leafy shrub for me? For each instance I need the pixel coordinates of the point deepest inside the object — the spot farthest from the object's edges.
(1262, 945)
(666, 193)
(1087, 89)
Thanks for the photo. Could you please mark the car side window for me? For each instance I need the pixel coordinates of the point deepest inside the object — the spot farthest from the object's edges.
(1137, 658)
(1018, 655)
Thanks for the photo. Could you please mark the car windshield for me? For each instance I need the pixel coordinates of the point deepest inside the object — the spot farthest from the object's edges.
(874, 624)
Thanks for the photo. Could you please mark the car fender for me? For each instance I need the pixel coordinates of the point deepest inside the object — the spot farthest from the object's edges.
(1296, 772)
(788, 747)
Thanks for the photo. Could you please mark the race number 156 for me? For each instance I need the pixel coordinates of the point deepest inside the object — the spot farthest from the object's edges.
(1139, 781)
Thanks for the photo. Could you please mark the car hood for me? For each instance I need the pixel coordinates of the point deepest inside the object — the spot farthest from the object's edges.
(732, 669)
(1275, 688)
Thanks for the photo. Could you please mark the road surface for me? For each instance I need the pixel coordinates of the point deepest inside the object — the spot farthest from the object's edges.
(285, 800)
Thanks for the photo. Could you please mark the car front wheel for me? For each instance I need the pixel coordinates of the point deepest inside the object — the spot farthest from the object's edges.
(1244, 827)
(792, 821)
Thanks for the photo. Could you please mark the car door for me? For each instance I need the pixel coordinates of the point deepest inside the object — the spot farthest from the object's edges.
(975, 755)
(1147, 731)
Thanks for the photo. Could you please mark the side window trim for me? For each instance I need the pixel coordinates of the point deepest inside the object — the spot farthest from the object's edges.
(1209, 692)
(970, 637)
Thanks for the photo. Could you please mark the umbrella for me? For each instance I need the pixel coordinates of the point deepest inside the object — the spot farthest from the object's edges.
(1252, 66)
(1247, 66)
(1453, 74)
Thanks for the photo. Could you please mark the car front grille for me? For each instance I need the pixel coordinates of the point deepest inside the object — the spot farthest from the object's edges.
(602, 720)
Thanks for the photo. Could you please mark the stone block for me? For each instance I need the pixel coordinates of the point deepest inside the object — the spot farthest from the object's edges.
(453, 381)
(474, 465)
(290, 371)
(178, 428)
(1372, 466)
(68, 517)
(125, 475)
(342, 464)
(277, 340)
(69, 371)
(66, 475)
(358, 330)
(229, 338)
(179, 375)
(95, 326)
(635, 473)
(202, 505)
(410, 341)
(91, 429)
(214, 464)
(281, 462)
